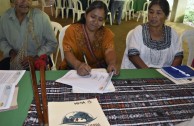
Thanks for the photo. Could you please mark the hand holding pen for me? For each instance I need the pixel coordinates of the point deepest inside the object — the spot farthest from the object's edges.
(84, 69)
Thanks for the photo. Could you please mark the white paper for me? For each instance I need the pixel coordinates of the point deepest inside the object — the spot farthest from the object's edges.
(6, 95)
(80, 113)
(176, 81)
(187, 123)
(92, 84)
(8, 80)
(11, 76)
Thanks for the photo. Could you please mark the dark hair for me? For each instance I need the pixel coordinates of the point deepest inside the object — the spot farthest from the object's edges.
(94, 5)
(163, 4)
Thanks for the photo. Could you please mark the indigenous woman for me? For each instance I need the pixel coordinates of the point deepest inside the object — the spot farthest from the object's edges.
(88, 44)
(153, 44)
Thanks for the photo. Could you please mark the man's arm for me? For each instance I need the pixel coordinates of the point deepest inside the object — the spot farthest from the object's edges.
(4, 45)
(177, 61)
(48, 34)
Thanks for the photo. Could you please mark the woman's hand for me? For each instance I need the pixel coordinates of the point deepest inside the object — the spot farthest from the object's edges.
(83, 69)
(113, 67)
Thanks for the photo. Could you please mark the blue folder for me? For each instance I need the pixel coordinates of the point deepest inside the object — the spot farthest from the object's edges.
(179, 72)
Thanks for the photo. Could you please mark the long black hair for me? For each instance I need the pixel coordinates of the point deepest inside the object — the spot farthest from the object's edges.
(163, 4)
(94, 5)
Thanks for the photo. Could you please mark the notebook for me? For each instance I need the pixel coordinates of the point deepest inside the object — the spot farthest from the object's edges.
(179, 72)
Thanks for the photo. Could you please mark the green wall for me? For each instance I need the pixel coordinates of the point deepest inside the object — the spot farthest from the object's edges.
(4, 5)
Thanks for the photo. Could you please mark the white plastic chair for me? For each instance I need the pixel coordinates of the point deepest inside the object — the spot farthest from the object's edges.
(69, 7)
(125, 61)
(57, 29)
(77, 9)
(47, 4)
(61, 36)
(144, 12)
(128, 9)
(188, 37)
(60, 5)
(89, 2)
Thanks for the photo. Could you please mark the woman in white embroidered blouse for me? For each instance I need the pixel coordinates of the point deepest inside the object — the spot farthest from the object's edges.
(153, 44)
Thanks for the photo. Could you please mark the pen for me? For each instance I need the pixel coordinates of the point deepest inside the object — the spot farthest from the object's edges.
(85, 60)
(108, 80)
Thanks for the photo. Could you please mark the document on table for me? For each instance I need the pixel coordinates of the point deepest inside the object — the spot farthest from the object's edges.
(187, 123)
(86, 112)
(6, 95)
(8, 81)
(93, 84)
(11, 76)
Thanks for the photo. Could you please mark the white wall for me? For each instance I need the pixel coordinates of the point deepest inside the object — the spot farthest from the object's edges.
(178, 10)
(170, 3)
(5, 4)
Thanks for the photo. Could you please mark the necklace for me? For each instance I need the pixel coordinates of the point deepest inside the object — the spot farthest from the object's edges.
(155, 52)
(155, 56)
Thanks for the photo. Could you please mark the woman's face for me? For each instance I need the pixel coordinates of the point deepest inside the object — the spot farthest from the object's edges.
(156, 16)
(95, 19)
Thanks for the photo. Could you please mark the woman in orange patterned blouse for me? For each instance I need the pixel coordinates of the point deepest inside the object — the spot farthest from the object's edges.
(88, 44)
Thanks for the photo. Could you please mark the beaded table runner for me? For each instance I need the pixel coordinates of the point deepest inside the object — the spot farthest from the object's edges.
(150, 102)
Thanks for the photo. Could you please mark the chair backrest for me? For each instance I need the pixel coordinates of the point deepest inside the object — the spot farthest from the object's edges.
(89, 2)
(125, 60)
(188, 36)
(61, 36)
(129, 5)
(69, 4)
(146, 5)
(57, 28)
(60, 3)
(77, 5)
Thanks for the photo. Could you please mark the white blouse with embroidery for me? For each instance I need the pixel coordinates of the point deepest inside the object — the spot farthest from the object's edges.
(154, 54)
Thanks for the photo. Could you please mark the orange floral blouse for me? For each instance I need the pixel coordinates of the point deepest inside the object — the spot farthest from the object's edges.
(75, 40)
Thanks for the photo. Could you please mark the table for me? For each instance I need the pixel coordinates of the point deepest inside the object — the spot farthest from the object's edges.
(25, 95)
(142, 101)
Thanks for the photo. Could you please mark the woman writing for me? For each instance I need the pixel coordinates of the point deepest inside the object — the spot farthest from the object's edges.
(153, 44)
(87, 40)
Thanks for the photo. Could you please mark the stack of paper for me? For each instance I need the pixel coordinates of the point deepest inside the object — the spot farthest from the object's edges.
(91, 84)
(8, 88)
(179, 74)
(83, 113)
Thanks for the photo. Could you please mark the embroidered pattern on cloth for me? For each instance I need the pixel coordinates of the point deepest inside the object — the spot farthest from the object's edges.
(159, 45)
(136, 102)
(15, 64)
(82, 41)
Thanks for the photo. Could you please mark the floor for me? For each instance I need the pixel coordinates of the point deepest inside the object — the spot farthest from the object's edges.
(121, 31)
